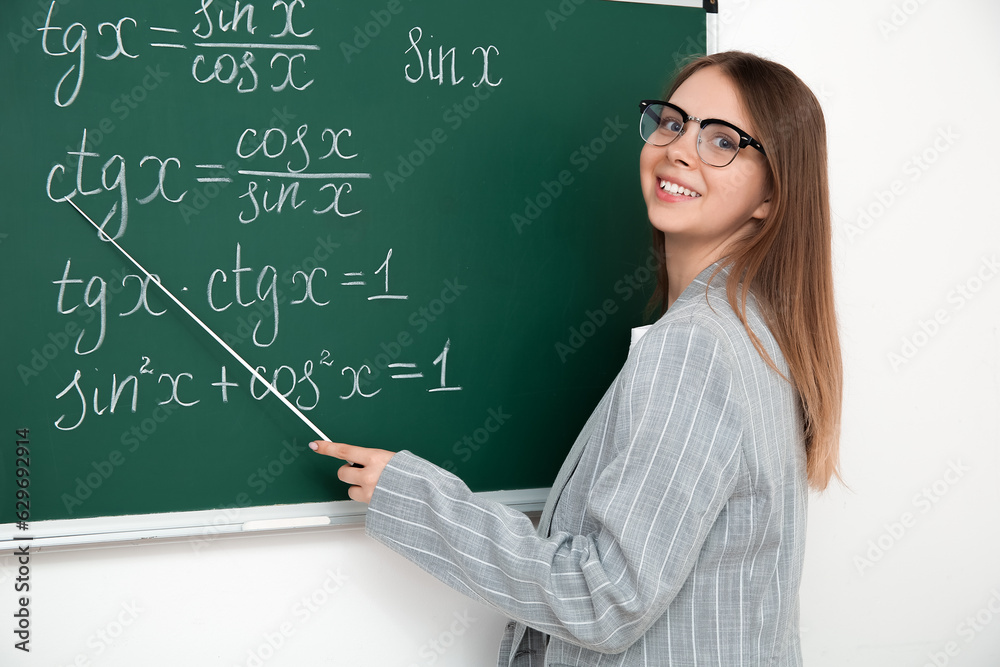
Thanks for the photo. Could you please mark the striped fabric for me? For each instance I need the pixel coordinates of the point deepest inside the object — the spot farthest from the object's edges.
(674, 533)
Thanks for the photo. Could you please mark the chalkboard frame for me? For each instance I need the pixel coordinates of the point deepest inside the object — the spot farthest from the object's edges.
(202, 526)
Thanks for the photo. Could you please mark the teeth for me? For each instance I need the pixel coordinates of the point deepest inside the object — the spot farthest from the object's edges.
(675, 189)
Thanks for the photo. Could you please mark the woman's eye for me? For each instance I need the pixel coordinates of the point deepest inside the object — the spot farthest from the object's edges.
(671, 124)
(724, 142)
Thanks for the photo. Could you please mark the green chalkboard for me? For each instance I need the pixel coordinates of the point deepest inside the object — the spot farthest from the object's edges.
(421, 219)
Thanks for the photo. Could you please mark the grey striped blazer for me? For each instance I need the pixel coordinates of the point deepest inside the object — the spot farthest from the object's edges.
(674, 532)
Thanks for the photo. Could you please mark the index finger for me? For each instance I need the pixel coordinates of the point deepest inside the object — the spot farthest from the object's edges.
(341, 450)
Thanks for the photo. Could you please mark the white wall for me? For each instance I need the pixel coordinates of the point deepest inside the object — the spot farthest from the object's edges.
(892, 577)
(904, 568)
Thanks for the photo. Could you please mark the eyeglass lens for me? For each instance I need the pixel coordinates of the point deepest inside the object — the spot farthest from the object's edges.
(717, 144)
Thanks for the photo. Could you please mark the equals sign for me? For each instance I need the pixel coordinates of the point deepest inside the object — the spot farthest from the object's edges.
(354, 282)
(213, 179)
(405, 376)
(166, 45)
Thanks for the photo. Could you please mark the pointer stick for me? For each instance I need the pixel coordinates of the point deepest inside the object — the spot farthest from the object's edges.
(104, 236)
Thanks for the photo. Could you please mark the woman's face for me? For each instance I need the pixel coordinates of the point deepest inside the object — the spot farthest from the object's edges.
(724, 203)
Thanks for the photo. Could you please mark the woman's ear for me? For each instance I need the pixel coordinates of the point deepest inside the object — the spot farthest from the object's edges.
(762, 210)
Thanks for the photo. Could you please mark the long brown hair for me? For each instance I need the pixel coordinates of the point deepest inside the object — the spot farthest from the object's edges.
(786, 262)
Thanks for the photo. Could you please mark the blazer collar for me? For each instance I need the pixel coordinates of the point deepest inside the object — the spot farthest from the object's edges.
(697, 287)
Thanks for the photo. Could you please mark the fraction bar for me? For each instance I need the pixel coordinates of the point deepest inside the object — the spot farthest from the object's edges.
(292, 174)
(226, 45)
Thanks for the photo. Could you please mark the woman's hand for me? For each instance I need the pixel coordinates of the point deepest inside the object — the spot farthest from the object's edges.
(362, 479)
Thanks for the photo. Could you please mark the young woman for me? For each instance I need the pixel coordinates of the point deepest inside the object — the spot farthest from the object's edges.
(674, 533)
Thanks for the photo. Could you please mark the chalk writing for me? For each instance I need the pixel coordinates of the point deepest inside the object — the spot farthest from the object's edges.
(280, 170)
(161, 177)
(244, 292)
(74, 41)
(237, 64)
(83, 397)
(414, 72)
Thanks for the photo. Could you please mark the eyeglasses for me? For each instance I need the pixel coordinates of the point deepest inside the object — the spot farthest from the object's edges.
(662, 123)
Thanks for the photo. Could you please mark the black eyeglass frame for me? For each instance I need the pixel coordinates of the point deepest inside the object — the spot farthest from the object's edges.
(745, 139)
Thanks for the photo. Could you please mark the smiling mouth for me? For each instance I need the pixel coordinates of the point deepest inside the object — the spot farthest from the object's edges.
(675, 189)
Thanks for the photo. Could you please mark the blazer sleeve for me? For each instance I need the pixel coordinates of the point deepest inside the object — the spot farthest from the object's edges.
(674, 434)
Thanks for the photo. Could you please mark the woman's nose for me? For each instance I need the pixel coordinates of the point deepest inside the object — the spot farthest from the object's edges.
(685, 147)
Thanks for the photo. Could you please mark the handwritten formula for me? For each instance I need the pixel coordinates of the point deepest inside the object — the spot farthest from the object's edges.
(270, 172)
